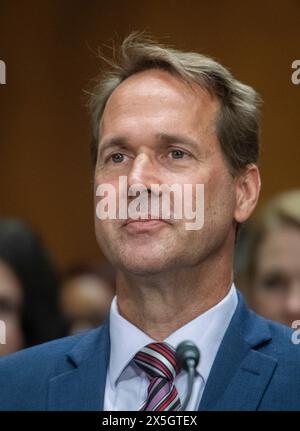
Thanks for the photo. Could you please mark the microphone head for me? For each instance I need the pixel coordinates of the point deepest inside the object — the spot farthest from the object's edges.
(187, 352)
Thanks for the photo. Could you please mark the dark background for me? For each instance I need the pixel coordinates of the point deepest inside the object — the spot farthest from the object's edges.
(49, 50)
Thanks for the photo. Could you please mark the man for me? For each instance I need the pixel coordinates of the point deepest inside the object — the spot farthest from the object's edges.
(166, 117)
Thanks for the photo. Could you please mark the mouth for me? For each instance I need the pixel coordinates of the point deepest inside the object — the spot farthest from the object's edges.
(145, 224)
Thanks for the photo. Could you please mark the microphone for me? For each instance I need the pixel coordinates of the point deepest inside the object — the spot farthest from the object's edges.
(187, 356)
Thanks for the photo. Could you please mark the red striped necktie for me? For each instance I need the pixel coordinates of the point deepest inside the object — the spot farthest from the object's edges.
(158, 361)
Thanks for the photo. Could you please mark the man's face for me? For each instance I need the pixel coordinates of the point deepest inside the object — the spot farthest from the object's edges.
(158, 130)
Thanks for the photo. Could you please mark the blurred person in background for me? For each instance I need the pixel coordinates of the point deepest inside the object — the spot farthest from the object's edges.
(270, 269)
(86, 294)
(28, 289)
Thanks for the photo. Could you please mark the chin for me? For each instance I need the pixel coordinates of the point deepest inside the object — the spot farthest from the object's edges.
(142, 265)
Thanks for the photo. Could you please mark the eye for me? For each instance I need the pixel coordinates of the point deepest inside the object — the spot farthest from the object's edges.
(117, 157)
(275, 282)
(177, 154)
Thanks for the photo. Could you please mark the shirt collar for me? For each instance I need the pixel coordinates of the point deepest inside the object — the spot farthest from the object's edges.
(206, 331)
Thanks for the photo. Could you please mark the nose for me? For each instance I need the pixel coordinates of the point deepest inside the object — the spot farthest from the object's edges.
(143, 171)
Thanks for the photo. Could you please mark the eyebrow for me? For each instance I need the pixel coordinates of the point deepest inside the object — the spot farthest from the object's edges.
(177, 138)
(111, 143)
(165, 138)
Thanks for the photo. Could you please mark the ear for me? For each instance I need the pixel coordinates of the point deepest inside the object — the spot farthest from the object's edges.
(247, 191)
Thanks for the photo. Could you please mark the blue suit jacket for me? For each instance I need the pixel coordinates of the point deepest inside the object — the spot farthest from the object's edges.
(257, 367)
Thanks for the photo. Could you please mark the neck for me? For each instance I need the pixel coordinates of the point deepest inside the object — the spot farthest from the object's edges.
(160, 304)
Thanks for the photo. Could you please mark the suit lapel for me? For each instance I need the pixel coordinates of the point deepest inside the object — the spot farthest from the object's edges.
(240, 372)
(82, 386)
(237, 381)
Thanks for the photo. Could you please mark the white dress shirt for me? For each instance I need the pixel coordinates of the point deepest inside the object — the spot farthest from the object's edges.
(126, 384)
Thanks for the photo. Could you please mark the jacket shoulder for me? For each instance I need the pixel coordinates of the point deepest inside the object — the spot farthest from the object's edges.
(24, 375)
(285, 341)
(283, 390)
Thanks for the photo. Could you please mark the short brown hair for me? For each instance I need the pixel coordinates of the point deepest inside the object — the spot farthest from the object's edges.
(238, 118)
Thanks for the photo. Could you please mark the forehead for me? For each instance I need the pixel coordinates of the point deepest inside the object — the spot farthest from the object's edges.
(157, 96)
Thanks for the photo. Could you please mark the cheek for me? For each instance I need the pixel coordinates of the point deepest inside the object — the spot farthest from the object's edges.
(219, 199)
(268, 302)
(104, 229)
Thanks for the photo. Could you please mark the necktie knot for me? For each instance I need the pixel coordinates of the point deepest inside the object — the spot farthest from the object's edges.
(158, 360)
